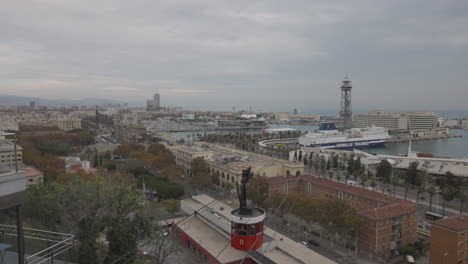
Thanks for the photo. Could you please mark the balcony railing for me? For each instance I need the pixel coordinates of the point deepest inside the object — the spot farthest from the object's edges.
(42, 246)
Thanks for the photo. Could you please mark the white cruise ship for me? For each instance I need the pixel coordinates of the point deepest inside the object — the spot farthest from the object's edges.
(329, 137)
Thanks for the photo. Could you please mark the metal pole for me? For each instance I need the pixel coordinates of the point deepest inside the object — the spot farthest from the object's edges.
(437, 204)
(19, 230)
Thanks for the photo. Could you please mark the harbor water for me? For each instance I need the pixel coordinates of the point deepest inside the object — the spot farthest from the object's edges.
(456, 147)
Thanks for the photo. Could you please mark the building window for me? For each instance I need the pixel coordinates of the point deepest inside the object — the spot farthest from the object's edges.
(340, 195)
(288, 173)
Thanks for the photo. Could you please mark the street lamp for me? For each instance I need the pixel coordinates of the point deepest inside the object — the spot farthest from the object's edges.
(378, 182)
(437, 202)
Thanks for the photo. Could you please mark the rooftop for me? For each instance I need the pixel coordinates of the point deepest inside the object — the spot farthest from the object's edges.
(212, 235)
(389, 211)
(456, 223)
(31, 171)
(211, 240)
(6, 144)
(358, 191)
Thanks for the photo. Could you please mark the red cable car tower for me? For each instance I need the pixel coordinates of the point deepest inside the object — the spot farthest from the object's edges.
(247, 222)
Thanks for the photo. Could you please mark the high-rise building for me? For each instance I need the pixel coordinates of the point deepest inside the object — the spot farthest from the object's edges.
(421, 120)
(390, 121)
(149, 105)
(32, 104)
(413, 120)
(295, 111)
(157, 101)
(345, 111)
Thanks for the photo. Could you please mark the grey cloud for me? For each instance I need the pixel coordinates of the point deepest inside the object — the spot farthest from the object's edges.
(269, 54)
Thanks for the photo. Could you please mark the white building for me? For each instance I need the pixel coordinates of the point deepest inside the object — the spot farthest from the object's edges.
(7, 154)
(68, 124)
(8, 125)
(157, 101)
(397, 121)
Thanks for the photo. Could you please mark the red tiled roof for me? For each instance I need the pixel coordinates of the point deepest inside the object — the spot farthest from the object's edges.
(31, 171)
(392, 206)
(454, 222)
(338, 186)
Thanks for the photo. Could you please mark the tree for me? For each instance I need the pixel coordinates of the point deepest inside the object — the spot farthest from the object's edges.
(420, 182)
(364, 178)
(127, 222)
(161, 248)
(335, 162)
(395, 181)
(431, 191)
(201, 177)
(461, 196)
(412, 173)
(406, 185)
(127, 149)
(373, 180)
(384, 171)
(357, 164)
(350, 167)
(346, 176)
(171, 205)
(257, 190)
(448, 194)
(300, 155)
(330, 175)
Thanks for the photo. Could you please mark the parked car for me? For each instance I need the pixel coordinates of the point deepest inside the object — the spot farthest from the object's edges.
(422, 198)
(305, 244)
(315, 233)
(313, 242)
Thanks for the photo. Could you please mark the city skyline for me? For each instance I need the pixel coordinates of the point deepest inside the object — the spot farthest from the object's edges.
(213, 55)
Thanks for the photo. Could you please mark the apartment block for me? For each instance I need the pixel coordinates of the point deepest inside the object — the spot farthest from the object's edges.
(449, 240)
(388, 223)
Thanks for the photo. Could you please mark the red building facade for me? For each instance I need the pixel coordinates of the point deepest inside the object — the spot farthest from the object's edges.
(388, 223)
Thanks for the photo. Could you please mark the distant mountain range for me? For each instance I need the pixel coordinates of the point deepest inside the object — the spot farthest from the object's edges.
(24, 100)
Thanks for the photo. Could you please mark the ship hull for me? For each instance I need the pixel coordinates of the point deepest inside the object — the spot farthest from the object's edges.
(350, 144)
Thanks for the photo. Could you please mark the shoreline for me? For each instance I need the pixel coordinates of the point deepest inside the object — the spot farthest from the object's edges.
(398, 140)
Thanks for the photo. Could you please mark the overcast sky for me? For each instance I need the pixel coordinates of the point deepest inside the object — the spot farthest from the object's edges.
(272, 55)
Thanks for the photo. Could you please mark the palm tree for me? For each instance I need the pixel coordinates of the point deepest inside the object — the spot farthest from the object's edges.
(364, 178)
(346, 175)
(407, 186)
(431, 191)
(448, 194)
(394, 181)
(373, 180)
(461, 197)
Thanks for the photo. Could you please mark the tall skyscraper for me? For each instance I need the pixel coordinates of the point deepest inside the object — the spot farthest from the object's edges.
(345, 111)
(156, 101)
(295, 111)
(32, 104)
(149, 105)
